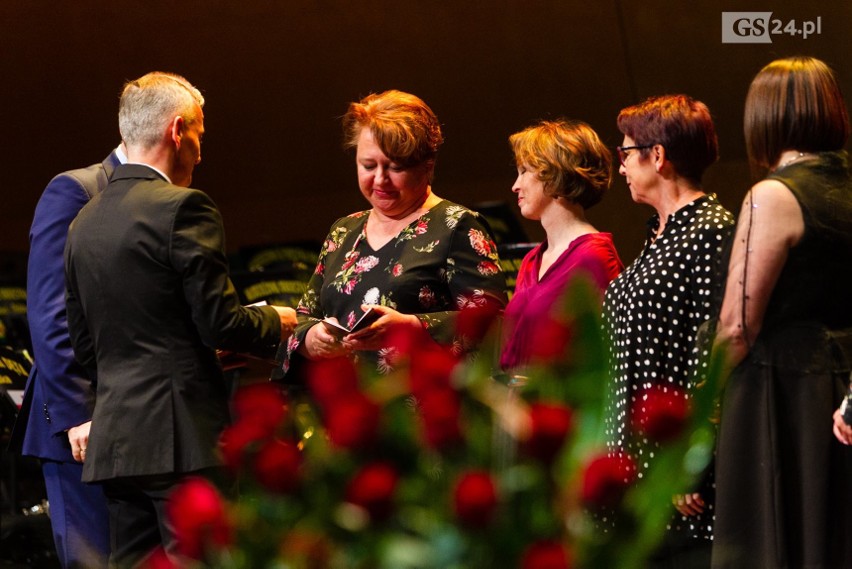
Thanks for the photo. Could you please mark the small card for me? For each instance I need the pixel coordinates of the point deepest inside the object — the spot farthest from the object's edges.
(340, 330)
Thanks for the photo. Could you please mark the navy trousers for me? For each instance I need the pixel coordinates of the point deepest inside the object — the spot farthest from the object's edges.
(78, 515)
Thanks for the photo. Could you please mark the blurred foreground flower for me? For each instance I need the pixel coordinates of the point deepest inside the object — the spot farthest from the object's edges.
(373, 489)
(198, 516)
(440, 462)
(661, 413)
(545, 555)
(475, 498)
(606, 480)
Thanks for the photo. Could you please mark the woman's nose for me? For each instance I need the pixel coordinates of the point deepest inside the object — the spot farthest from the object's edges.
(380, 175)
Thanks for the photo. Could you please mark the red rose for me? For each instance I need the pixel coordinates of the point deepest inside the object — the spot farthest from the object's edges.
(550, 424)
(431, 368)
(439, 411)
(197, 514)
(277, 466)
(332, 380)
(372, 488)
(551, 340)
(475, 320)
(260, 403)
(606, 479)
(238, 440)
(545, 555)
(407, 340)
(660, 413)
(475, 498)
(159, 559)
(354, 422)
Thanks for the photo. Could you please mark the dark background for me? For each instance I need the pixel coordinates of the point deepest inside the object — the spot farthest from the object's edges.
(278, 74)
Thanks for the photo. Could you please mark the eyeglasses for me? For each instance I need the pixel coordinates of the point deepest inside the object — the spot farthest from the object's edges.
(622, 151)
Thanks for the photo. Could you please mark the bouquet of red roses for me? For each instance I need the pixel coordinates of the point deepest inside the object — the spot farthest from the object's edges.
(442, 463)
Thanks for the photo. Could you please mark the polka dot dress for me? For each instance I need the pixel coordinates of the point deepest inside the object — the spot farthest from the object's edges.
(652, 312)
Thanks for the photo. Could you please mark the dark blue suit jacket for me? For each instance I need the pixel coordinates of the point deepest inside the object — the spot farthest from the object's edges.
(59, 393)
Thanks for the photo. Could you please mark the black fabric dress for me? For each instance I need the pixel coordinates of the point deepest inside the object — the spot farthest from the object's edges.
(441, 263)
(783, 482)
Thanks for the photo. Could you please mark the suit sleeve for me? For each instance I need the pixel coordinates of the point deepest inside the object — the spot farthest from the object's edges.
(197, 251)
(65, 384)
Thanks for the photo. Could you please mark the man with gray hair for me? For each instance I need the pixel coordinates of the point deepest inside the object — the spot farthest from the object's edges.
(149, 301)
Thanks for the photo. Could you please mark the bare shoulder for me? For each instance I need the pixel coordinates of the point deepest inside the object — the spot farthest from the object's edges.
(773, 194)
(773, 204)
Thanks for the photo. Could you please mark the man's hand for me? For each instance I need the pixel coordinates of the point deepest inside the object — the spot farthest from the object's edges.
(79, 438)
(287, 316)
(842, 431)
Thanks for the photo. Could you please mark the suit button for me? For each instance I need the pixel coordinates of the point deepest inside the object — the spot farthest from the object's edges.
(46, 413)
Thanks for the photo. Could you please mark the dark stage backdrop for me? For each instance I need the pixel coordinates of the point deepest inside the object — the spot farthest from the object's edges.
(278, 74)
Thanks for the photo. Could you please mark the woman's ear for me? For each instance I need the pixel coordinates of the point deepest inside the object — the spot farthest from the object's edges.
(659, 155)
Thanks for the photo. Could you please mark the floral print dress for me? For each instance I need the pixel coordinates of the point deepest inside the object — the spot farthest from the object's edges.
(439, 264)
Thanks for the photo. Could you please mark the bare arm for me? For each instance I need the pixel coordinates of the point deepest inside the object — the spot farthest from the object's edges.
(770, 224)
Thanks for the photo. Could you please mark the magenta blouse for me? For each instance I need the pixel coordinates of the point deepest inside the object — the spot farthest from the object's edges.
(592, 254)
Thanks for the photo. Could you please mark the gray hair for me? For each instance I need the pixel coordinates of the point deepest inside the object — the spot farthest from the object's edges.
(150, 103)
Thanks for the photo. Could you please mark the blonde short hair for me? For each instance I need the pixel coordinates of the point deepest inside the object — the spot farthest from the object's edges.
(569, 157)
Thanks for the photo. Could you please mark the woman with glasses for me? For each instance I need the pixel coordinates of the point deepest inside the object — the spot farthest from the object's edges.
(783, 481)
(563, 169)
(652, 311)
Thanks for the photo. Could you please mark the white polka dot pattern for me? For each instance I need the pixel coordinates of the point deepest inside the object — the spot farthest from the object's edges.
(652, 312)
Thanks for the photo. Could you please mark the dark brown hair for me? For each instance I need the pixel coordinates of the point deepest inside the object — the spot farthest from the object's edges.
(682, 125)
(403, 126)
(569, 157)
(793, 104)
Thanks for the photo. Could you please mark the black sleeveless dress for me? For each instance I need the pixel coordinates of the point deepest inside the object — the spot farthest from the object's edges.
(783, 482)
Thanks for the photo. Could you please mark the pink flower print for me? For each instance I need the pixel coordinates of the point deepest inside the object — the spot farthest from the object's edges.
(421, 227)
(481, 243)
(365, 264)
(487, 268)
(349, 286)
(351, 259)
(397, 270)
(427, 297)
(320, 269)
(350, 319)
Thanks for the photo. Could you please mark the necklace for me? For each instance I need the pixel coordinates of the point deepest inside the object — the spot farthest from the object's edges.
(791, 160)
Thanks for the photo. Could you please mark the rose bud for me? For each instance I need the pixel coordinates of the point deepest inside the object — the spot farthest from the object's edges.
(260, 403)
(332, 380)
(277, 466)
(661, 413)
(606, 479)
(238, 440)
(551, 340)
(159, 559)
(475, 498)
(474, 320)
(440, 410)
(353, 423)
(431, 368)
(197, 514)
(550, 424)
(372, 488)
(545, 555)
